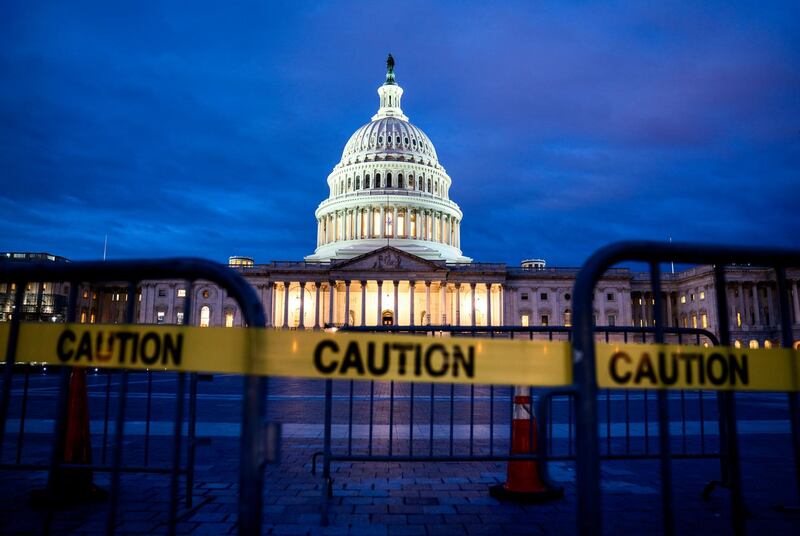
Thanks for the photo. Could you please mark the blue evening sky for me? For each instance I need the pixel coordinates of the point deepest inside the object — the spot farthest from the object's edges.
(209, 128)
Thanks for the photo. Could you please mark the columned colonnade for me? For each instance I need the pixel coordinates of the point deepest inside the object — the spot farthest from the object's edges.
(371, 302)
(392, 221)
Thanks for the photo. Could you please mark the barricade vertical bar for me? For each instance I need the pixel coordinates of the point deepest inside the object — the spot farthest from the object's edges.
(11, 357)
(471, 417)
(728, 436)
(452, 408)
(177, 436)
(22, 414)
(590, 515)
(411, 423)
(119, 426)
(61, 417)
(663, 411)
(391, 416)
(491, 420)
(350, 421)
(430, 446)
(148, 414)
(786, 342)
(191, 442)
(371, 409)
(326, 458)
(106, 413)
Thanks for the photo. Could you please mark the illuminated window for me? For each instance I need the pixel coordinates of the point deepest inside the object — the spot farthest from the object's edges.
(85, 294)
(545, 320)
(737, 343)
(694, 321)
(181, 292)
(205, 316)
(160, 317)
(612, 320)
(92, 318)
(685, 322)
(83, 317)
(179, 317)
(683, 298)
(229, 319)
(29, 287)
(738, 319)
(205, 294)
(704, 320)
(753, 343)
(525, 320)
(568, 318)
(702, 294)
(705, 345)
(768, 344)
(44, 286)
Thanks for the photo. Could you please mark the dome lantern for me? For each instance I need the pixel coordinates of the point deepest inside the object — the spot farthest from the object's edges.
(390, 94)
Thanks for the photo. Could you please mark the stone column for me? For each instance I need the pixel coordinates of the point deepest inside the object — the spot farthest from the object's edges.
(488, 304)
(302, 323)
(770, 310)
(267, 305)
(411, 285)
(285, 304)
(796, 301)
(756, 305)
(458, 304)
(472, 305)
(394, 223)
(741, 305)
(347, 303)
(427, 303)
(668, 323)
(316, 304)
(363, 303)
(383, 224)
(380, 303)
(369, 222)
(501, 305)
(359, 226)
(443, 236)
(407, 224)
(443, 302)
(395, 318)
(331, 287)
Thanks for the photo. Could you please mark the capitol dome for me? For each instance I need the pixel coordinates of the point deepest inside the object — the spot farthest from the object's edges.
(389, 188)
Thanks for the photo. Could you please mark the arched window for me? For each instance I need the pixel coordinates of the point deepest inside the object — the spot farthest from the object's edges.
(411, 182)
(349, 183)
(405, 141)
(397, 139)
(737, 343)
(753, 343)
(358, 183)
(388, 180)
(205, 316)
(380, 139)
(429, 186)
(366, 180)
(567, 318)
(400, 180)
(421, 183)
(377, 180)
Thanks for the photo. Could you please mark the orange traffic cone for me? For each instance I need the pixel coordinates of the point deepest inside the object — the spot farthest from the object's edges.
(524, 483)
(73, 485)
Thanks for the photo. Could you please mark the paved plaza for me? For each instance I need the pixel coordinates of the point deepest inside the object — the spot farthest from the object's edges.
(399, 498)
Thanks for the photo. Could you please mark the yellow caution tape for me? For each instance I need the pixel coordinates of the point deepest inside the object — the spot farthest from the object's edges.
(671, 366)
(346, 355)
(296, 353)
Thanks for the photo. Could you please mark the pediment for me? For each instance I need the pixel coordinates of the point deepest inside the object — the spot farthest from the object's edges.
(388, 259)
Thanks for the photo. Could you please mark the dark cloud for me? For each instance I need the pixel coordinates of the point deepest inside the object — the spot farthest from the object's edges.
(210, 131)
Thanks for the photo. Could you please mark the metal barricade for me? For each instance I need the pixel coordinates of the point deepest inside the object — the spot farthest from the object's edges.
(129, 274)
(424, 426)
(589, 515)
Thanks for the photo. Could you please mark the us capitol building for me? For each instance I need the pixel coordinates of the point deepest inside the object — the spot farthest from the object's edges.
(388, 252)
